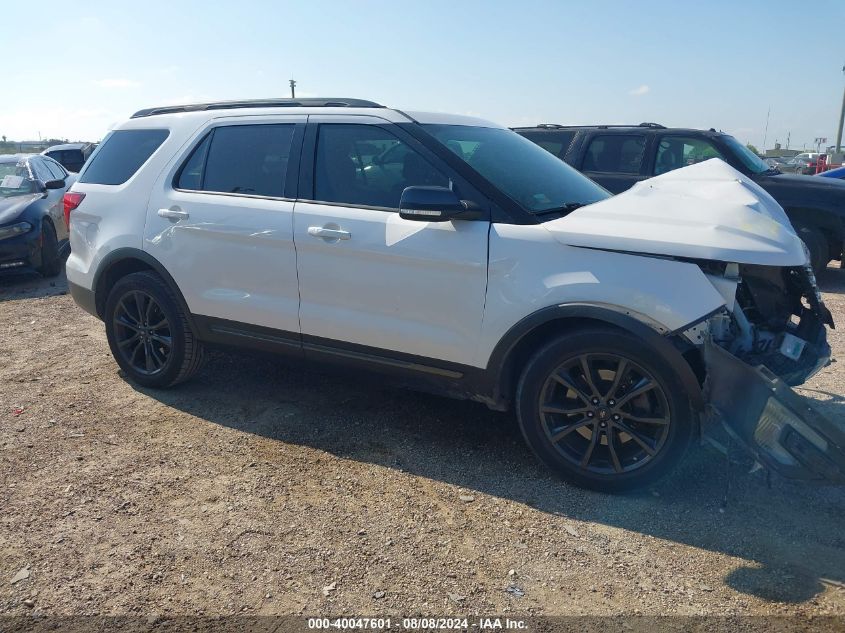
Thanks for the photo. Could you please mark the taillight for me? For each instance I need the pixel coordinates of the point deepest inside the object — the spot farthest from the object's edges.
(71, 201)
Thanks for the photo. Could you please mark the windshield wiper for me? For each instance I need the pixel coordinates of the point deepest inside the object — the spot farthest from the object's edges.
(564, 208)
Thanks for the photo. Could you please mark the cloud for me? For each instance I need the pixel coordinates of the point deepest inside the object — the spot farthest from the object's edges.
(119, 83)
(639, 91)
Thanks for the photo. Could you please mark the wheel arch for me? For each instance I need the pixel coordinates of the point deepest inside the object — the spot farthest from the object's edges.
(125, 261)
(525, 337)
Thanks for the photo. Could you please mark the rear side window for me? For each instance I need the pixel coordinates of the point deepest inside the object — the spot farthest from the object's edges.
(620, 153)
(121, 155)
(244, 159)
(553, 142)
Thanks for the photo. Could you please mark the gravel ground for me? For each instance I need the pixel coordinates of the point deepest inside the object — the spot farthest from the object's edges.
(264, 488)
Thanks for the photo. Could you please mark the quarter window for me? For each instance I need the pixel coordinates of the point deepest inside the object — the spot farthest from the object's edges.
(121, 155)
(677, 151)
(620, 153)
(365, 165)
(241, 159)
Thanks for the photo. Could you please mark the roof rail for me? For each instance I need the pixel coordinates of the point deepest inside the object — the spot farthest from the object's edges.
(259, 103)
(555, 126)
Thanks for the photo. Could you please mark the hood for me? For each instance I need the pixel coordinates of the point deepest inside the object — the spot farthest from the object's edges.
(11, 208)
(705, 211)
(799, 180)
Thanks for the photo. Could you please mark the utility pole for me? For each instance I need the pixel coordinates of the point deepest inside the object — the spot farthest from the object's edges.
(292, 91)
(766, 132)
(841, 120)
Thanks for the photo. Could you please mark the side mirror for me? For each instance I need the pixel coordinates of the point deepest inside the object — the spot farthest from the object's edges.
(434, 204)
(54, 184)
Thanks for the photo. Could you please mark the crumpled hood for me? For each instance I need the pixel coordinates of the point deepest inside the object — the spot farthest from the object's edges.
(12, 207)
(705, 211)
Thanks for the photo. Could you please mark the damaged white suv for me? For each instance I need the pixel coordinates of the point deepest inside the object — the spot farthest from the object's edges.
(457, 256)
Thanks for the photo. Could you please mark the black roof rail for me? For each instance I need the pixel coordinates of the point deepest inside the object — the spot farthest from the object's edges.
(259, 103)
(555, 126)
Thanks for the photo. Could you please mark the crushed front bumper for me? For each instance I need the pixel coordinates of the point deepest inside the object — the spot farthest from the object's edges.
(777, 425)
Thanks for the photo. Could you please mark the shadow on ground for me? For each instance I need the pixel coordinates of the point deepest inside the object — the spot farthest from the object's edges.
(14, 285)
(789, 535)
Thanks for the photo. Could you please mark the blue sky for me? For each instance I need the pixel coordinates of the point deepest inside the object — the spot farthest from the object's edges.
(697, 64)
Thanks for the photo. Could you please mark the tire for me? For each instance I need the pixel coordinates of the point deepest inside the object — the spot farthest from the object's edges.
(816, 243)
(561, 437)
(148, 332)
(51, 260)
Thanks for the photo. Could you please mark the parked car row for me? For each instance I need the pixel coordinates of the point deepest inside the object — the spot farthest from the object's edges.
(453, 255)
(617, 157)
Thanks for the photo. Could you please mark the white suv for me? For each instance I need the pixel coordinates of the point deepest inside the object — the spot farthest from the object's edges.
(455, 255)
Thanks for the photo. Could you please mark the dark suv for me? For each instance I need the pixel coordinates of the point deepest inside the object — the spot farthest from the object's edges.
(72, 156)
(617, 156)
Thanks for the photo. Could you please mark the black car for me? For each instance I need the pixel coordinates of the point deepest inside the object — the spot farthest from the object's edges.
(72, 156)
(33, 233)
(617, 156)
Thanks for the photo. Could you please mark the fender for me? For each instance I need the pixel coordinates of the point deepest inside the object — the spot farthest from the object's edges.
(128, 254)
(500, 366)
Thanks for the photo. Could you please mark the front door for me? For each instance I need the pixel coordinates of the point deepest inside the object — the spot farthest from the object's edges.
(369, 280)
(220, 220)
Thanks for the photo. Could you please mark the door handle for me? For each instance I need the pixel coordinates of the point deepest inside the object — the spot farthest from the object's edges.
(329, 233)
(173, 214)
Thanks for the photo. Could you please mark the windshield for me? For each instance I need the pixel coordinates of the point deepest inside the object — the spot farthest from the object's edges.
(15, 179)
(753, 162)
(525, 172)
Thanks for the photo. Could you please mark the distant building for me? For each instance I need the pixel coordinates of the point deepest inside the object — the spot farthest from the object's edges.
(778, 151)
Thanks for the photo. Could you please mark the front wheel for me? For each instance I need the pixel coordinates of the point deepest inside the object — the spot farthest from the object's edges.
(817, 247)
(148, 332)
(51, 260)
(604, 411)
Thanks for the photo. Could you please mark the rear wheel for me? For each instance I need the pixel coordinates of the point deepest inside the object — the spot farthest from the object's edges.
(603, 410)
(51, 261)
(148, 332)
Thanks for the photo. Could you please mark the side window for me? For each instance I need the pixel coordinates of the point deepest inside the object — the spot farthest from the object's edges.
(678, 151)
(56, 170)
(621, 153)
(122, 154)
(554, 142)
(366, 165)
(40, 169)
(246, 159)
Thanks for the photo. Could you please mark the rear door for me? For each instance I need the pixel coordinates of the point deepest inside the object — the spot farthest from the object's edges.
(370, 282)
(220, 219)
(615, 161)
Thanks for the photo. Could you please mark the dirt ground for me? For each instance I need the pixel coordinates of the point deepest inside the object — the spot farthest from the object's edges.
(264, 488)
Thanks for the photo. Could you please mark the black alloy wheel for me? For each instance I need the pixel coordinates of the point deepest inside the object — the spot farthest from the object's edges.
(604, 413)
(142, 332)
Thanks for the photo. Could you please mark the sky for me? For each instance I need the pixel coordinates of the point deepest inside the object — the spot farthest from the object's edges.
(84, 66)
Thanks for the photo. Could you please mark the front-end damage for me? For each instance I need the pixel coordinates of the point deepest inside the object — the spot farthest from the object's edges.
(770, 336)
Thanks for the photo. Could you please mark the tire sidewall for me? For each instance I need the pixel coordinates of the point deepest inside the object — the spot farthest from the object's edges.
(153, 286)
(602, 341)
(50, 266)
(816, 244)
